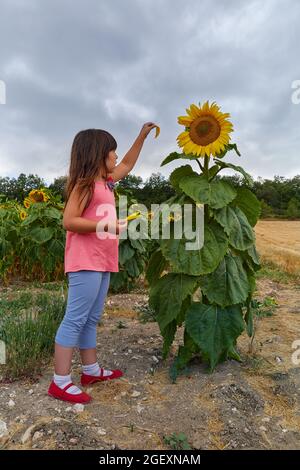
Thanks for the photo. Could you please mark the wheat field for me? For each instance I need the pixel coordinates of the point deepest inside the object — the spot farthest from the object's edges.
(278, 241)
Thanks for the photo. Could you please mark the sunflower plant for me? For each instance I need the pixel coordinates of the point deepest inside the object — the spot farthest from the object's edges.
(208, 290)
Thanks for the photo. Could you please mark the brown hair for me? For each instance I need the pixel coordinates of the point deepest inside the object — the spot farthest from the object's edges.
(89, 151)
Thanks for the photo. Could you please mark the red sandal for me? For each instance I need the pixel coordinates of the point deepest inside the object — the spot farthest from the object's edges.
(62, 394)
(90, 379)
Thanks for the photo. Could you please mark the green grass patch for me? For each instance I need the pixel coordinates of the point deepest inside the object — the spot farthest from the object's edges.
(28, 325)
(271, 271)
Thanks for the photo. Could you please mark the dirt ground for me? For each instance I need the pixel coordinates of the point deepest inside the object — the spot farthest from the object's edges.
(249, 405)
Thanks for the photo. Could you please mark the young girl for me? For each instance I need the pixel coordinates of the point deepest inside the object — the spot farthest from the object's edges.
(89, 260)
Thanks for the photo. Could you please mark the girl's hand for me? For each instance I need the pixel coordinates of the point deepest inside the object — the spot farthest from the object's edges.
(146, 129)
(115, 227)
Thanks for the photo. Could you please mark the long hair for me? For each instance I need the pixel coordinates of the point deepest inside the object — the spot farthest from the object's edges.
(89, 151)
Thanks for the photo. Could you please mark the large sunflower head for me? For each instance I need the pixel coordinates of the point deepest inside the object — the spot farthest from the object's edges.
(38, 195)
(206, 130)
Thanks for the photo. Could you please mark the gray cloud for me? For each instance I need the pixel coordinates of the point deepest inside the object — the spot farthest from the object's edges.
(70, 65)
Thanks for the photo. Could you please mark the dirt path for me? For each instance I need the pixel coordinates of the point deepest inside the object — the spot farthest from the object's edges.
(254, 405)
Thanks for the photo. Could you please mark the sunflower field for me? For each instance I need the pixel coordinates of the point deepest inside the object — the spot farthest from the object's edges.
(32, 237)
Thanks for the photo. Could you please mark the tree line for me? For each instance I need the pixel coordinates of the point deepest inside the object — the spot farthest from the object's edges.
(280, 196)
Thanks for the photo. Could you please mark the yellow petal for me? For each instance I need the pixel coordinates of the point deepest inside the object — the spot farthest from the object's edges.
(185, 120)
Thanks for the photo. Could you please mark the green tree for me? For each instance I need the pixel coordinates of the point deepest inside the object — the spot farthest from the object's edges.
(293, 209)
(58, 186)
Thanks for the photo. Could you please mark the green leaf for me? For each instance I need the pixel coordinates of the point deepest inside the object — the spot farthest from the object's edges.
(184, 355)
(52, 213)
(29, 219)
(253, 253)
(179, 173)
(175, 156)
(213, 170)
(216, 194)
(228, 147)
(214, 330)
(228, 284)
(196, 262)
(118, 280)
(249, 320)
(237, 227)
(249, 204)
(132, 267)
(41, 234)
(125, 252)
(169, 334)
(168, 294)
(239, 169)
(56, 248)
(156, 265)
(185, 305)
(137, 245)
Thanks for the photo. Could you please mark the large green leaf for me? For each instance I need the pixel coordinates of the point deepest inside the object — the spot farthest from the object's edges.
(228, 284)
(156, 265)
(249, 204)
(169, 334)
(214, 329)
(167, 295)
(125, 252)
(216, 194)
(248, 178)
(237, 227)
(170, 331)
(196, 262)
(132, 267)
(175, 156)
(184, 355)
(41, 234)
(179, 173)
(56, 248)
(138, 245)
(52, 213)
(254, 255)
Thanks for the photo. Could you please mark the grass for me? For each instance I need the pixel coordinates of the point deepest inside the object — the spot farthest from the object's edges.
(274, 272)
(266, 308)
(145, 313)
(177, 441)
(28, 324)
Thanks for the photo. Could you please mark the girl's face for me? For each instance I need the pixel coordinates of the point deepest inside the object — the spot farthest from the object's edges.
(111, 160)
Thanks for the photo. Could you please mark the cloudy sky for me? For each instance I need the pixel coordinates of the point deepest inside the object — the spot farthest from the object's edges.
(114, 65)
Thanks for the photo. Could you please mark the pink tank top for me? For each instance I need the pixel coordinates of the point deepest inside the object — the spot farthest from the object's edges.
(85, 251)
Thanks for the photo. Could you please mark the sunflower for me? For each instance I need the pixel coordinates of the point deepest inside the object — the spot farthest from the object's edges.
(206, 130)
(27, 202)
(38, 195)
(22, 215)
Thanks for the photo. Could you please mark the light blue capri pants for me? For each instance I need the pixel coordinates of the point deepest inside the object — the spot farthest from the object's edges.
(86, 296)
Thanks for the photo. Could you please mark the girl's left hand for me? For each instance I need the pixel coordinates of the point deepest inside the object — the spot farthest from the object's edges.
(146, 129)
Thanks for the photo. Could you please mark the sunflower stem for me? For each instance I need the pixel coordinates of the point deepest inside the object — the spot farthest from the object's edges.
(206, 165)
(206, 172)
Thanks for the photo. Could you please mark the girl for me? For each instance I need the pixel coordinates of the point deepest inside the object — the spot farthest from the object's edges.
(89, 260)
